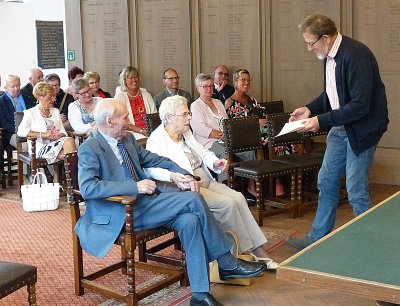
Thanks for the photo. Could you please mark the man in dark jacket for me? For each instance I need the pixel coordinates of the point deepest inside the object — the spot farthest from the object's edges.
(353, 104)
(35, 76)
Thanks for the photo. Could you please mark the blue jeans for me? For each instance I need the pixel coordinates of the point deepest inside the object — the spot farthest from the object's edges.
(340, 160)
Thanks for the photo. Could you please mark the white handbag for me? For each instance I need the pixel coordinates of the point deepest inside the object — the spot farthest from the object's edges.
(40, 196)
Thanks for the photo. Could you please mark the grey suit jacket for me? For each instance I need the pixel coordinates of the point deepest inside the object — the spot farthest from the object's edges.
(101, 175)
(164, 94)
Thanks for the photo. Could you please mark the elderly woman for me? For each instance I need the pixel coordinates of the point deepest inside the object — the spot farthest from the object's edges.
(44, 122)
(73, 73)
(240, 104)
(94, 83)
(173, 139)
(81, 111)
(138, 101)
(207, 117)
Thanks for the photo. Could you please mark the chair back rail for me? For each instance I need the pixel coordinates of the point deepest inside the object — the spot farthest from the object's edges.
(273, 107)
(152, 122)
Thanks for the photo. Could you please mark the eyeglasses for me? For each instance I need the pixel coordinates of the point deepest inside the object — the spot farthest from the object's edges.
(184, 114)
(311, 44)
(223, 73)
(245, 80)
(89, 91)
(207, 86)
(173, 78)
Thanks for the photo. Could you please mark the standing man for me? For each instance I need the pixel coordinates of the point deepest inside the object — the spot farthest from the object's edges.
(111, 163)
(222, 90)
(171, 82)
(353, 104)
(10, 102)
(35, 76)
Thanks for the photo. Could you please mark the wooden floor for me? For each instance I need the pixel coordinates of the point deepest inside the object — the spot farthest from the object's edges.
(267, 290)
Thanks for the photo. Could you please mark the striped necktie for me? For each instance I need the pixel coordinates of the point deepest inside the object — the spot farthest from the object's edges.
(127, 160)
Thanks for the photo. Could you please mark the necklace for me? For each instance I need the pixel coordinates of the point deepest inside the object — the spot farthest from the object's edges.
(43, 113)
(133, 96)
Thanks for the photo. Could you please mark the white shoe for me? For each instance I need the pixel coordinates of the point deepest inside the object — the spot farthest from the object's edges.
(269, 262)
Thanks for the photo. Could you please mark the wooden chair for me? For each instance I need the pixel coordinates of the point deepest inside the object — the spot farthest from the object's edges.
(305, 162)
(273, 107)
(8, 173)
(128, 240)
(152, 122)
(14, 276)
(29, 158)
(2, 175)
(260, 169)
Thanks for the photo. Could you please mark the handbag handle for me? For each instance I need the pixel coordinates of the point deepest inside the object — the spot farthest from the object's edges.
(235, 237)
(37, 175)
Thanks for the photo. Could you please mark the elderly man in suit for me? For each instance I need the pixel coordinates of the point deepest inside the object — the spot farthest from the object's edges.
(171, 82)
(110, 163)
(35, 76)
(10, 102)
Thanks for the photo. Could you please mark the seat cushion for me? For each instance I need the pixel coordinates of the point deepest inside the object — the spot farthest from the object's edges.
(259, 169)
(143, 236)
(14, 276)
(301, 160)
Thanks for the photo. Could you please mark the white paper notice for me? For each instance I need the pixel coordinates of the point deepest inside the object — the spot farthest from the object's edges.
(292, 127)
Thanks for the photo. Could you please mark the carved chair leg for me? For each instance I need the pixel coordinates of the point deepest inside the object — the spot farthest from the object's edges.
(31, 295)
(259, 203)
(299, 201)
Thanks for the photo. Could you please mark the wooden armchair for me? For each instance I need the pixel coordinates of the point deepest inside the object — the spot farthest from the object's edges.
(273, 107)
(29, 158)
(305, 162)
(152, 122)
(260, 169)
(14, 276)
(128, 241)
(7, 170)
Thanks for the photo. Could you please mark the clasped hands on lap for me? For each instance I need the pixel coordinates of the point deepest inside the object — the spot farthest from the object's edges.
(184, 182)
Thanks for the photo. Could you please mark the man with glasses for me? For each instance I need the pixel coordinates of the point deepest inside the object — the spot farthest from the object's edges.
(63, 99)
(35, 76)
(353, 106)
(171, 82)
(222, 90)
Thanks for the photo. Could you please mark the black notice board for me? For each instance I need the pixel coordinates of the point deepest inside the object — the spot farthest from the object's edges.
(50, 44)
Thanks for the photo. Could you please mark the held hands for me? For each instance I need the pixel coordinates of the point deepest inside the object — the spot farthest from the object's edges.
(221, 164)
(53, 133)
(310, 124)
(185, 182)
(146, 186)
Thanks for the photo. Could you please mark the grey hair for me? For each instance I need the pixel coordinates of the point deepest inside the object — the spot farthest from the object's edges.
(169, 106)
(106, 108)
(33, 69)
(202, 77)
(128, 71)
(79, 83)
(318, 25)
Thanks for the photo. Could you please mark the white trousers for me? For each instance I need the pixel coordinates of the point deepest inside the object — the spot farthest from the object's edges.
(230, 209)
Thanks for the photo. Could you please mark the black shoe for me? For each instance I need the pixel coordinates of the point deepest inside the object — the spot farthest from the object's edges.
(209, 300)
(249, 197)
(383, 303)
(299, 242)
(243, 269)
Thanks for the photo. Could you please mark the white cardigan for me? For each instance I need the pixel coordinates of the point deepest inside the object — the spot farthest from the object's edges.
(33, 121)
(160, 143)
(148, 104)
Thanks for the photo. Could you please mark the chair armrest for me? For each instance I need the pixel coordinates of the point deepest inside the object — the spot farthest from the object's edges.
(126, 200)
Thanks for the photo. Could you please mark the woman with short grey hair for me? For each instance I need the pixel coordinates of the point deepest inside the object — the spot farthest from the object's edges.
(173, 139)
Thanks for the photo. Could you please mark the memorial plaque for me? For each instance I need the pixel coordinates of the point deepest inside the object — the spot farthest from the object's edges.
(106, 39)
(297, 74)
(163, 42)
(50, 44)
(230, 35)
(377, 24)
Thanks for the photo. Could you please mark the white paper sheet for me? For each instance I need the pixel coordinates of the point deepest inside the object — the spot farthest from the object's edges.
(292, 127)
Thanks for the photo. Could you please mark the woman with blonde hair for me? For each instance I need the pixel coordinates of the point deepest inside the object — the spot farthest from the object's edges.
(44, 123)
(94, 83)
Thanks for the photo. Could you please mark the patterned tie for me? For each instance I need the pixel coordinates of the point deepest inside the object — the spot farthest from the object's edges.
(127, 160)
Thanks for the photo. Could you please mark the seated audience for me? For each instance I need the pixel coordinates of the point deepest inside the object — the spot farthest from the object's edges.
(138, 101)
(222, 90)
(240, 104)
(63, 99)
(43, 122)
(35, 76)
(94, 83)
(207, 117)
(110, 163)
(73, 73)
(12, 101)
(81, 111)
(171, 82)
(173, 139)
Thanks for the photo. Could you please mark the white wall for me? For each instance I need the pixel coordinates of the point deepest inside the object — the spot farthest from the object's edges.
(18, 52)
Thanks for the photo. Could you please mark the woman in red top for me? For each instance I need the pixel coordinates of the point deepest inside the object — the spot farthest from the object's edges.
(94, 83)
